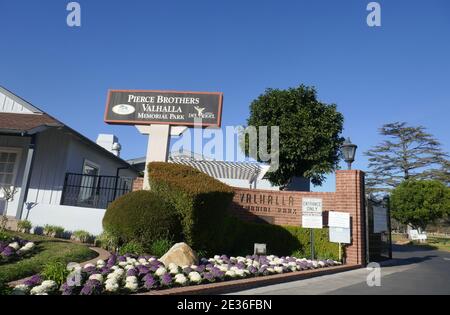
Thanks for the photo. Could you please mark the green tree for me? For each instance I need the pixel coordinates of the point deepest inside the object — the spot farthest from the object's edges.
(409, 152)
(309, 134)
(420, 202)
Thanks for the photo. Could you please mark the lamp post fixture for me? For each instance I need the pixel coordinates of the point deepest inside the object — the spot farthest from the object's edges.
(349, 152)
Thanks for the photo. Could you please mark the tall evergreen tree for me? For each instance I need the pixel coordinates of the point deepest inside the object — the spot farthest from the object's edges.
(409, 152)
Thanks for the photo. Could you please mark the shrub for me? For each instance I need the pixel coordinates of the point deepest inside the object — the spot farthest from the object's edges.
(160, 247)
(141, 216)
(107, 241)
(24, 226)
(240, 238)
(4, 288)
(82, 236)
(53, 230)
(56, 271)
(200, 201)
(132, 247)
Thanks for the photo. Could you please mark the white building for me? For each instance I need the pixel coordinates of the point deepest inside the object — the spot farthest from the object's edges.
(59, 176)
(235, 174)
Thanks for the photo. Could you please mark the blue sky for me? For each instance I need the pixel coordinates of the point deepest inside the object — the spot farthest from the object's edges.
(397, 72)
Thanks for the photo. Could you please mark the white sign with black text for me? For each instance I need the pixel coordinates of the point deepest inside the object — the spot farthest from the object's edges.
(312, 213)
(339, 219)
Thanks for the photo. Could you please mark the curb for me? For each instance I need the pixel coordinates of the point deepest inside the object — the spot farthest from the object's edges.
(250, 283)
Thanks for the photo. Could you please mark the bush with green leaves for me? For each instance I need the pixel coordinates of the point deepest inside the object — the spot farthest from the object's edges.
(107, 241)
(132, 247)
(239, 238)
(160, 247)
(201, 202)
(24, 226)
(141, 216)
(82, 236)
(56, 271)
(53, 230)
(420, 202)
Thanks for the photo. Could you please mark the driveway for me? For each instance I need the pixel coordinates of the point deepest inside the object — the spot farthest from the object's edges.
(414, 270)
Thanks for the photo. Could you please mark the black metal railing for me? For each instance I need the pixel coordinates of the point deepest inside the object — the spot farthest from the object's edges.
(91, 191)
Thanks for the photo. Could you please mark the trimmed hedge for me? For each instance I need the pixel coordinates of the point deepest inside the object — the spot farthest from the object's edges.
(202, 204)
(201, 201)
(142, 217)
(239, 238)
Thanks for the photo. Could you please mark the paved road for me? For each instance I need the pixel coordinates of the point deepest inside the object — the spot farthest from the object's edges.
(413, 270)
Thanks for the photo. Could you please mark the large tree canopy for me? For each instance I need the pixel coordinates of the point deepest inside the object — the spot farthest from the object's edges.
(408, 152)
(310, 140)
(419, 203)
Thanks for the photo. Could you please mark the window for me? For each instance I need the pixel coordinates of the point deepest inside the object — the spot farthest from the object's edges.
(89, 182)
(9, 162)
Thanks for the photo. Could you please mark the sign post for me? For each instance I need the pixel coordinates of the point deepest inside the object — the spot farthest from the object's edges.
(312, 218)
(161, 114)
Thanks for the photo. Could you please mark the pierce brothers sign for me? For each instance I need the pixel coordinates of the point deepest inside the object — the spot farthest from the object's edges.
(136, 107)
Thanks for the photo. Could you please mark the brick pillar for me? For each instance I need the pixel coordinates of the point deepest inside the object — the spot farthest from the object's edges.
(138, 184)
(350, 198)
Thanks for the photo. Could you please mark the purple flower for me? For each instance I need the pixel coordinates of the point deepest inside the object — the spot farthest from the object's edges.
(166, 280)
(3, 246)
(132, 272)
(217, 273)
(105, 270)
(121, 258)
(143, 270)
(68, 290)
(8, 251)
(187, 270)
(33, 281)
(209, 276)
(252, 270)
(201, 268)
(90, 270)
(92, 287)
(149, 282)
(112, 260)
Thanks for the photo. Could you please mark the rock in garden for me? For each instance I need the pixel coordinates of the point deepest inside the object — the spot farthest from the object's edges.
(181, 255)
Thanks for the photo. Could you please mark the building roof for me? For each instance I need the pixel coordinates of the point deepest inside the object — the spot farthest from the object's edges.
(26, 123)
(249, 171)
(36, 120)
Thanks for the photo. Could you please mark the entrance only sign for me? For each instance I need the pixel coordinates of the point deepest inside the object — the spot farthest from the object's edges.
(312, 213)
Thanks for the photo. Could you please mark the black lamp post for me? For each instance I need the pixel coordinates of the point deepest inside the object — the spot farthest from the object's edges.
(349, 151)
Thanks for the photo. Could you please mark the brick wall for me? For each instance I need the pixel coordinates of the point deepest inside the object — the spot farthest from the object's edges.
(285, 208)
(138, 184)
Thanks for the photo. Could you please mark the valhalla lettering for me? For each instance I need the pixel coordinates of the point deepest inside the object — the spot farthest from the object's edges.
(269, 200)
(161, 108)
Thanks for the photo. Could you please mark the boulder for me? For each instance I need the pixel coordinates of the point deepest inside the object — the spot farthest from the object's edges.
(181, 255)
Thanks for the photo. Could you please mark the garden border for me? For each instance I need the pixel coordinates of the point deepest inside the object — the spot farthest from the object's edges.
(102, 255)
(249, 283)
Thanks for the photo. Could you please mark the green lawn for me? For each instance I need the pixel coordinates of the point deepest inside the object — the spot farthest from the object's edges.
(47, 249)
(433, 242)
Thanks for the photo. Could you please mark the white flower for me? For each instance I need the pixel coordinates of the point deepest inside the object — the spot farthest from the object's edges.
(14, 245)
(111, 285)
(49, 285)
(151, 259)
(278, 269)
(271, 270)
(256, 264)
(142, 261)
(123, 263)
(174, 271)
(20, 289)
(195, 277)
(131, 283)
(172, 266)
(240, 273)
(160, 271)
(321, 264)
(97, 277)
(88, 266)
(101, 262)
(292, 264)
(194, 267)
(315, 264)
(216, 257)
(128, 267)
(230, 273)
(180, 279)
(115, 267)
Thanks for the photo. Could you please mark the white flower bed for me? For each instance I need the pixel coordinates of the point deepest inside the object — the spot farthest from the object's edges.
(128, 274)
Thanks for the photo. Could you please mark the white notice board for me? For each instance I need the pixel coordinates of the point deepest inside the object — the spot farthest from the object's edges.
(339, 219)
(312, 213)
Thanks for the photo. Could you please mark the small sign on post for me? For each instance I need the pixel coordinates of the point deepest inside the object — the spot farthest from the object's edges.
(260, 249)
(312, 217)
(339, 224)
